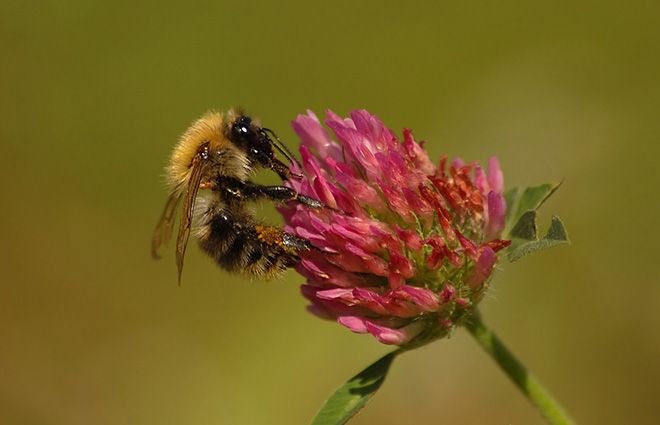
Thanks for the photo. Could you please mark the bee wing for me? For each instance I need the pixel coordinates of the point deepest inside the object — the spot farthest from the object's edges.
(187, 213)
(163, 231)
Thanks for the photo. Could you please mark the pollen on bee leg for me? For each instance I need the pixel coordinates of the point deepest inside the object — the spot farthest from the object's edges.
(270, 235)
(206, 185)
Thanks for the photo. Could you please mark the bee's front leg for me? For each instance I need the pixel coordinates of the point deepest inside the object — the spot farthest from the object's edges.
(249, 191)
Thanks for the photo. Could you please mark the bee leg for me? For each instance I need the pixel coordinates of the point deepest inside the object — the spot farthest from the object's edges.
(287, 244)
(248, 190)
(296, 243)
(286, 194)
(291, 243)
(311, 202)
(283, 170)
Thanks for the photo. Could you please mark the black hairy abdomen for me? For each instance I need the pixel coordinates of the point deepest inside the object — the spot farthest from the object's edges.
(232, 240)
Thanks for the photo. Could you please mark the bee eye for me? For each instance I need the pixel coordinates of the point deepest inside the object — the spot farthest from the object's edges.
(241, 127)
(252, 139)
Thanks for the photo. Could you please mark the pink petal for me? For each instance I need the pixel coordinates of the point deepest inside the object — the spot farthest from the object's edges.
(327, 308)
(409, 237)
(372, 128)
(438, 252)
(448, 292)
(322, 188)
(361, 239)
(425, 299)
(457, 163)
(314, 269)
(324, 191)
(346, 203)
(480, 180)
(402, 265)
(417, 203)
(483, 267)
(416, 154)
(469, 246)
(371, 300)
(495, 176)
(343, 294)
(462, 302)
(391, 336)
(395, 280)
(313, 135)
(319, 270)
(496, 215)
(387, 240)
(317, 239)
(354, 323)
(362, 192)
(357, 146)
(332, 117)
(397, 201)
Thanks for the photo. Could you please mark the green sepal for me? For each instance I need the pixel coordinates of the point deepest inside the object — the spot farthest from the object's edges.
(525, 239)
(348, 399)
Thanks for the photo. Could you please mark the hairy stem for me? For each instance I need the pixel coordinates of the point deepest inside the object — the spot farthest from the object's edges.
(524, 380)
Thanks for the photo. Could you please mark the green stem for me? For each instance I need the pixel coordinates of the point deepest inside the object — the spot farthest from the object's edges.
(524, 380)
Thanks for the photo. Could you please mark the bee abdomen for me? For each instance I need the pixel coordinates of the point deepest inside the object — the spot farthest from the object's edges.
(238, 244)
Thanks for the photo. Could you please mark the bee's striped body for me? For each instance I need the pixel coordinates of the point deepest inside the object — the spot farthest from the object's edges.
(240, 243)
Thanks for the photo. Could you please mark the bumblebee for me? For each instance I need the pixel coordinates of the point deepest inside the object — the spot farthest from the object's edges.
(217, 155)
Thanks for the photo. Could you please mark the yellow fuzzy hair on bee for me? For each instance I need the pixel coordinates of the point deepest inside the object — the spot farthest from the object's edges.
(208, 128)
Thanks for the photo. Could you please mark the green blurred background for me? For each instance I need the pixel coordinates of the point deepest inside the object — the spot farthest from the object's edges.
(94, 95)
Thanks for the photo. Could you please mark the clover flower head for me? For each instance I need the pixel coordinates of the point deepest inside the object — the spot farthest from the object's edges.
(407, 247)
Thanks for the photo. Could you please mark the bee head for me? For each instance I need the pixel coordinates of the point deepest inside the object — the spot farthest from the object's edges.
(257, 143)
(251, 139)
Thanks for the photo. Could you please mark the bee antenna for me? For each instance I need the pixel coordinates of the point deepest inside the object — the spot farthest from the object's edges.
(281, 147)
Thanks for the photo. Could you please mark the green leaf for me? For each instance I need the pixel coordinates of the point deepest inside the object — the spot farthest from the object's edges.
(533, 197)
(521, 221)
(348, 399)
(525, 228)
(530, 200)
(527, 242)
(510, 197)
